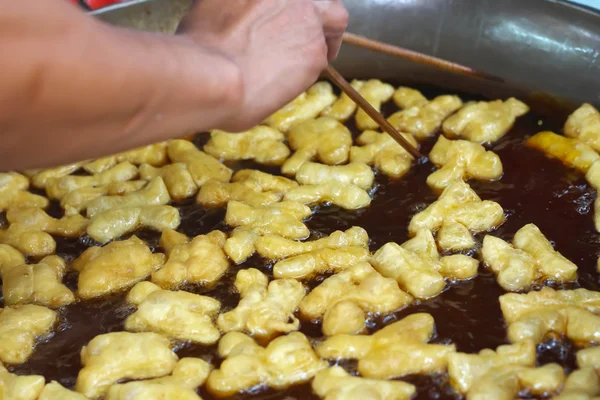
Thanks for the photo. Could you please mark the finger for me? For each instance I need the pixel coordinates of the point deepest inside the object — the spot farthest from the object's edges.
(334, 18)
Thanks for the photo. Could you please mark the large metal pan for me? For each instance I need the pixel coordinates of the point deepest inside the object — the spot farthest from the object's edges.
(538, 46)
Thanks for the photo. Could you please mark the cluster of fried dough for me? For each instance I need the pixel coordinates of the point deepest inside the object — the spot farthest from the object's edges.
(301, 260)
(39, 284)
(177, 314)
(397, 350)
(306, 106)
(255, 188)
(423, 119)
(345, 185)
(456, 215)
(20, 327)
(374, 91)
(13, 192)
(282, 219)
(265, 309)
(459, 160)
(324, 138)
(112, 357)
(530, 259)
(504, 373)
(200, 260)
(188, 374)
(342, 300)
(57, 188)
(286, 360)
(115, 267)
(484, 121)
(535, 315)
(335, 383)
(263, 144)
(418, 268)
(382, 151)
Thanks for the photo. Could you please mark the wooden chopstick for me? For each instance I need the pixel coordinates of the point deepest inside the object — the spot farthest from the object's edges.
(374, 45)
(343, 84)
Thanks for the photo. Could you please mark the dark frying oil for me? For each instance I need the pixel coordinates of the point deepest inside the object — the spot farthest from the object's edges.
(534, 189)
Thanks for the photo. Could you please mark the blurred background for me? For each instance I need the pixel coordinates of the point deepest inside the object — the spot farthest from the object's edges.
(95, 4)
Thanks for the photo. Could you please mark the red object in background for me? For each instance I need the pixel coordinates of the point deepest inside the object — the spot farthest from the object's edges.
(95, 4)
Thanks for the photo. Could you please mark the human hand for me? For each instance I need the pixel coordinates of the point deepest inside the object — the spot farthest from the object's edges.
(280, 47)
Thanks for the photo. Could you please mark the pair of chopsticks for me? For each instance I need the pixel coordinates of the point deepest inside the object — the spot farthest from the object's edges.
(420, 58)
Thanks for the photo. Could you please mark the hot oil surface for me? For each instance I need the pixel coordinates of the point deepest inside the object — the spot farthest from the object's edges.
(534, 189)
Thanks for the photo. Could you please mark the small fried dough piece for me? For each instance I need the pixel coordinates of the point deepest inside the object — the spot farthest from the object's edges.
(189, 374)
(376, 93)
(202, 166)
(29, 241)
(324, 139)
(201, 260)
(406, 97)
(514, 306)
(241, 244)
(39, 284)
(465, 369)
(9, 258)
(153, 194)
(461, 160)
(584, 125)
(344, 107)
(320, 261)
(423, 121)
(263, 144)
(114, 267)
(78, 200)
(284, 218)
(154, 154)
(266, 182)
(57, 188)
(459, 203)
(112, 357)
(274, 247)
(506, 382)
(113, 223)
(503, 373)
(37, 219)
(20, 327)
(335, 383)
(265, 309)
(484, 121)
(571, 152)
(255, 188)
(178, 315)
(286, 361)
(532, 258)
(344, 195)
(380, 150)
(359, 174)
(178, 179)
(582, 384)
(41, 177)
(55, 391)
(418, 267)
(397, 350)
(215, 194)
(306, 106)
(567, 312)
(13, 192)
(352, 288)
(15, 387)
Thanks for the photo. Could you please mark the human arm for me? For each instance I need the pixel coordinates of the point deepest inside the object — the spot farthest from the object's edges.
(74, 88)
